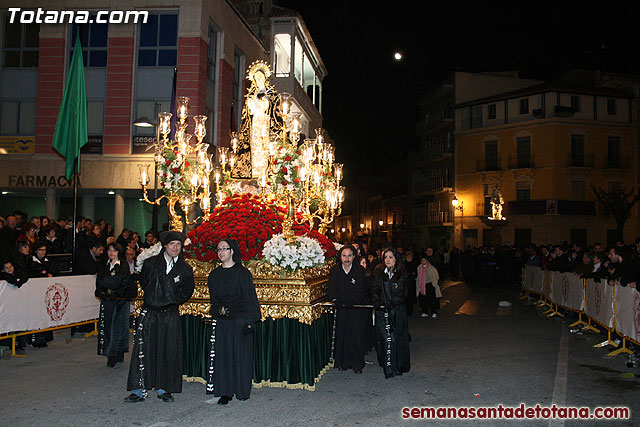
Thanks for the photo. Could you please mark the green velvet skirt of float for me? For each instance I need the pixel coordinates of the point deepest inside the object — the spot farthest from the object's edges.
(287, 353)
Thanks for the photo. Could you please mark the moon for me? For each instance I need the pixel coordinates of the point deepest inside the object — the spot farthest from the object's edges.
(397, 56)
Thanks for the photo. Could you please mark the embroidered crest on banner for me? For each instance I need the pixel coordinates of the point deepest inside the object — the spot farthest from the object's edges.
(56, 299)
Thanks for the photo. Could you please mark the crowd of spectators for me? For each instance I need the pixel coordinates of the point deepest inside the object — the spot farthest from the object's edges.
(33, 247)
(501, 266)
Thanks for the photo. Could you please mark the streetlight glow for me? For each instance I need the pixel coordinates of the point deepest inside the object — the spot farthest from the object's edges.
(397, 56)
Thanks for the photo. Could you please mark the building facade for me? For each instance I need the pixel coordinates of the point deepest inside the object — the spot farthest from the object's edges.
(129, 71)
(433, 167)
(544, 147)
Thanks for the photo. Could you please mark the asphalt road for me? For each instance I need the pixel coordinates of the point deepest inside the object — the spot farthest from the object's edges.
(486, 357)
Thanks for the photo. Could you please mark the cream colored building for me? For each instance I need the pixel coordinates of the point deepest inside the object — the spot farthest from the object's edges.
(545, 146)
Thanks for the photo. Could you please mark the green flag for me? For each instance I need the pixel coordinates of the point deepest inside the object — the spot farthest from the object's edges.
(71, 128)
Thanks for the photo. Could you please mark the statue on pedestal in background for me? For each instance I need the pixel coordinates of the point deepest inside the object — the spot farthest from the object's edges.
(496, 203)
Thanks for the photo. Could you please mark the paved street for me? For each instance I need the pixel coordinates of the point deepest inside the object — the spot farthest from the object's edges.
(486, 357)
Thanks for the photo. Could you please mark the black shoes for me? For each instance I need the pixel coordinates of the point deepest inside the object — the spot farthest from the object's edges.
(166, 397)
(134, 398)
(111, 362)
(224, 400)
(357, 371)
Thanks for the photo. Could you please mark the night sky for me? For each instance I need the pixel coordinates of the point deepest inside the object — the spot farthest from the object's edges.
(370, 100)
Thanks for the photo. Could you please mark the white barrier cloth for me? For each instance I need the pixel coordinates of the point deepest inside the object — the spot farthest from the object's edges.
(47, 302)
(547, 289)
(568, 290)
(628, 312)
(599, 298)
(533, 279)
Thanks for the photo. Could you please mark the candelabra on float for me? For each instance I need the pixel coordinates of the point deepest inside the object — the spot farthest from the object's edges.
(183, 169)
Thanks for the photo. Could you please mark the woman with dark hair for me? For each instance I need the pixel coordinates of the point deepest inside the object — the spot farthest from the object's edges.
(39, 264)
(390, 291)
(115, 289)
(234, 309)
(21, 257)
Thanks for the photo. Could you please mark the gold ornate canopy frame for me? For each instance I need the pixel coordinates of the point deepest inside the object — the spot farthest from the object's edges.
(269, 151)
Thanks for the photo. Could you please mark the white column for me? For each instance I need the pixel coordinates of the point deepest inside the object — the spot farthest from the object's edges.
(118, 215)
(88, 207)
(50, 203)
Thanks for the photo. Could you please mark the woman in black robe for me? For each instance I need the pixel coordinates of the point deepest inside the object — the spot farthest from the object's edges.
(390, 291)
(348, 286)
(115, 289)
(234, 309)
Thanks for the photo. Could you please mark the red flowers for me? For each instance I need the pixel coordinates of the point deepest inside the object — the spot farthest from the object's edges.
(287, 159)
(250, 222)
(187, 164)
(284, 170)
(168, 162)
(174, 170)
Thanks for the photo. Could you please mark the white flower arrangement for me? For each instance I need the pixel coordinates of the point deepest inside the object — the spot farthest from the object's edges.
(145, 254)
(307, 252)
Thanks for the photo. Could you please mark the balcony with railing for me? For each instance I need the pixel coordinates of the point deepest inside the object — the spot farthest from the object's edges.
(433, 185)
(583, 161)
(541, 207)
(442, 116)
(439, 218)
(617, 163)
(489, 164)
(519, 162)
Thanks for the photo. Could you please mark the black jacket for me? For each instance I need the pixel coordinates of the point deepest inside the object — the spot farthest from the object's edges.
(17, 278)
(37, 266)
(352, 288)
(85, 263)
(115, 282)
(163, 290)
(389, 292)
(625, 272)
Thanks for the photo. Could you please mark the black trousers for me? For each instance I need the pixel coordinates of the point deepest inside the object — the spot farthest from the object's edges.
(429, 303)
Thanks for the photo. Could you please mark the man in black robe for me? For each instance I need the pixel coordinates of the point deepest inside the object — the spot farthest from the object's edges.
(348, 287)
(234, 309)
(156, 360)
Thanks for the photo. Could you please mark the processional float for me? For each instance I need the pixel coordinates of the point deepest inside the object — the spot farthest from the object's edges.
(272, 179)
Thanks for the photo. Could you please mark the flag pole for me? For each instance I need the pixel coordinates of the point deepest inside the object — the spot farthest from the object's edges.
(75, 214)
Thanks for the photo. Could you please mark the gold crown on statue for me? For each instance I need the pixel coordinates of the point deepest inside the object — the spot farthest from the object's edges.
(258, 66)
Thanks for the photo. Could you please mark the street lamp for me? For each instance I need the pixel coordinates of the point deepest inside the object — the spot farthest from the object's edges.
(458, 205)
(144, 122)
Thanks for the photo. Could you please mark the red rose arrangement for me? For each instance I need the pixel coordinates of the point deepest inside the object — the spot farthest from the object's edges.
(250, 221)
